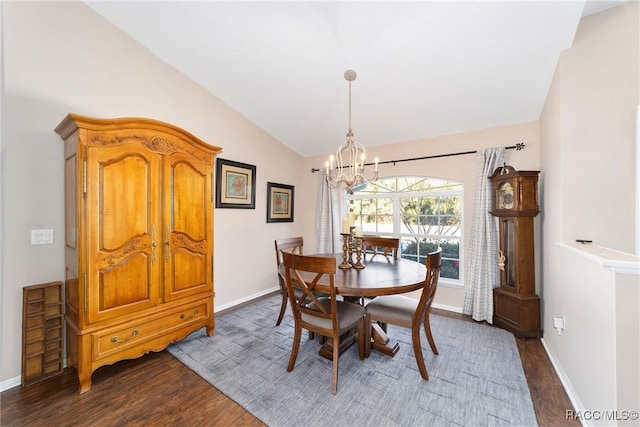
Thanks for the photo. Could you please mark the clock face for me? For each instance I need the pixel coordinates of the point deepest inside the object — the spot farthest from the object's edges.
(505, 196)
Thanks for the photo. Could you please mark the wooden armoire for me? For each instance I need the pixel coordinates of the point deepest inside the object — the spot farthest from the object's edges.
(138, 238)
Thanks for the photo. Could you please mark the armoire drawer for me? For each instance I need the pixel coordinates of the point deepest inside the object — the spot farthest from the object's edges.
(113, 340)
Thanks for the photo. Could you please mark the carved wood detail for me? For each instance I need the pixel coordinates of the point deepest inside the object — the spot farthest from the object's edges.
(183, 241)
(157, 144)
(134, 245)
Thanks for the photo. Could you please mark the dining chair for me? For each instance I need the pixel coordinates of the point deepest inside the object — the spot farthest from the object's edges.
(292, 245)
(325, 316)
(389, 244)
(408, 312)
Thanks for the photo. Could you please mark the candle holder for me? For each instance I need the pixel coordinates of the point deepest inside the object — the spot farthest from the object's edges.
(358, 264)
(346, 251)
(351, 244)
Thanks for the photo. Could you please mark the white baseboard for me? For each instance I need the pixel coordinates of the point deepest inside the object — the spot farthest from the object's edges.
(231, 304)
(447, 307)
(10, 383)
(566, 383)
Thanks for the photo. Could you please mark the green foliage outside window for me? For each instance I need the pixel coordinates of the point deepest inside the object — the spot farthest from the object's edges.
(417, 250)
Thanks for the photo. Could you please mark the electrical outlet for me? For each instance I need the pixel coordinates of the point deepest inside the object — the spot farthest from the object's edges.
(42, 237)
(558, 324)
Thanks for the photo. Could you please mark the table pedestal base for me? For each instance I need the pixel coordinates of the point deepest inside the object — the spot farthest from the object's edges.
(346, 341)
(380, 341)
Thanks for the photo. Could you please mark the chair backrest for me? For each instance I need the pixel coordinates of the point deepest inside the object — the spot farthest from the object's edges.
(290, 244)
(390, 245)
(304, 272)
(434, 260)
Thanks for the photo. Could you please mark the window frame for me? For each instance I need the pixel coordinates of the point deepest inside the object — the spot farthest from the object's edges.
(396, 196)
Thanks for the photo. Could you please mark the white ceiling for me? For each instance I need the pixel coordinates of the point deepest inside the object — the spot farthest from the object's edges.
(425, 68)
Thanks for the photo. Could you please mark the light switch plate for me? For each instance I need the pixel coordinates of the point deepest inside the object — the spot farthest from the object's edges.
(558, 322)
(42, 237)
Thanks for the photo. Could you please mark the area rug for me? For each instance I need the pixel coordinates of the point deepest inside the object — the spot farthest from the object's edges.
(476, 380)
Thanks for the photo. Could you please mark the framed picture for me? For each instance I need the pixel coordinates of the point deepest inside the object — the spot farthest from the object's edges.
(279, 202)
(235, 185)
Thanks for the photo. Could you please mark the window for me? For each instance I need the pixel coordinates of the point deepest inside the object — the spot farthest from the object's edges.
(423, 212)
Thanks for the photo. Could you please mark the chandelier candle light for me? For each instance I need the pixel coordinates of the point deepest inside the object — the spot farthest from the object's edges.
(347, 223)
(350, 155)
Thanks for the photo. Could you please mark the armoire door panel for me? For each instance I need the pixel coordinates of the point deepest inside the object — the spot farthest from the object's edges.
(72, 301)
(125, 200)
(125, 284)
(188, 209)
(190, 271)
(71, 201)
(124, 245)
(189, 201)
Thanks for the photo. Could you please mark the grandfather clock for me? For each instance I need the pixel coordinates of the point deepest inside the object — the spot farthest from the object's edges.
(516, 307)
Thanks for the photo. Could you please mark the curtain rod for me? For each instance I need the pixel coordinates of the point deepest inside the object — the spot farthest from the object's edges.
(519, 146)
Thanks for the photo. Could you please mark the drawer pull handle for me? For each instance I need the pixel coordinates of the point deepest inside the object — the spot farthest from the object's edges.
(184, 316)
(133, 334)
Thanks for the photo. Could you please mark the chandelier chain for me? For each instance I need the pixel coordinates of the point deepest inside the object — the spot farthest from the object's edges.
(350, 106)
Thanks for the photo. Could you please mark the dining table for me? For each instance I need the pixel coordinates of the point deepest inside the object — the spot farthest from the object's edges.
(381, 275)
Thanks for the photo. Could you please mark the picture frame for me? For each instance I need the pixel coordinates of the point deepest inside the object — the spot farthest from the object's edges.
(235, 185)
(280, 202)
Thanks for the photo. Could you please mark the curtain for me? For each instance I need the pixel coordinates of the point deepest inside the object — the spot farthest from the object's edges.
(327, 217)
(483, 273)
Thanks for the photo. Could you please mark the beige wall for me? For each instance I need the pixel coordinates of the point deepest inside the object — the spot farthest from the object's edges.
(600, 77)
(588, 143)
(61, 57)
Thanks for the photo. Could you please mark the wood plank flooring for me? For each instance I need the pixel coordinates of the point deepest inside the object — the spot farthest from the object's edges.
(159, 390)
(154, 390)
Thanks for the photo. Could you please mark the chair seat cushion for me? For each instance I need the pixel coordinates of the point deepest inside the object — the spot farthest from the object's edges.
(348, 314)
(395, 309)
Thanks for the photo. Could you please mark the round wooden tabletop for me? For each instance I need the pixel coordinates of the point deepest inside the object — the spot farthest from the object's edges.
(381, 276)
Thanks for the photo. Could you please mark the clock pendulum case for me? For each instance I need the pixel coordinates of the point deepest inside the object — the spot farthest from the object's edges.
(516, 307)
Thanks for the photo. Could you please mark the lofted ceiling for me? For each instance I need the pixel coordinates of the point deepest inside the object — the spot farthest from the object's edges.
(425, 68)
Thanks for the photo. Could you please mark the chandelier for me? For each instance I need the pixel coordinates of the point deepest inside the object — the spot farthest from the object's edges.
(347, 166)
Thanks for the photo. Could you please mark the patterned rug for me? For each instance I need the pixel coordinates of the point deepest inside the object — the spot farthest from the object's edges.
(476, 380)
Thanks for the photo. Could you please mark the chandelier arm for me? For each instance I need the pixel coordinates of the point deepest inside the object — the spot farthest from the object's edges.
(339, 166)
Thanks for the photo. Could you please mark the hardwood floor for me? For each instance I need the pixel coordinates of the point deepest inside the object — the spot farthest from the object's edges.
(158, 390)
(155, 389)
(550, 401)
